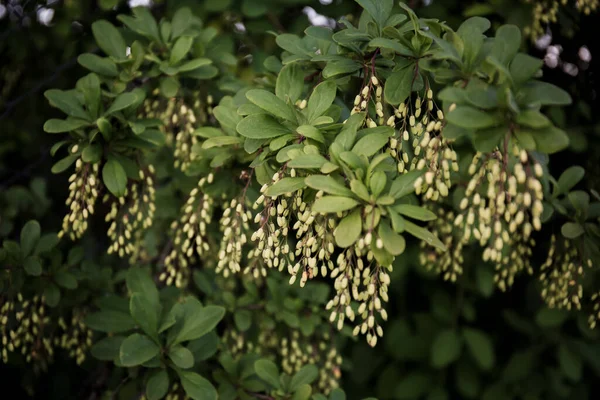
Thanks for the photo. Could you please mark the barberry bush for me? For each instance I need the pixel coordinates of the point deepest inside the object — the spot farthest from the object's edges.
(299, 200)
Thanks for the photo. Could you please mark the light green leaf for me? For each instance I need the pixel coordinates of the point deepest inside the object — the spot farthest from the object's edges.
(268, 372)
(271, 103)
(109, 39)
(311, 161)
(137, 349)
(64, 125)
(220, 141)
(67, 102)
(306, 375)
(311, 132)
(180, 49)
(194, 64)
(321, 98)
(196, 386)
(392, 242)
(114, 177)
(423, 234)
(181, 356)
(393, 45)
(572, 230)
(398, 86)
(100, 65)
(260, 126)
(404, 184)
(348, 230)
(415, 212)
(333, 204)
(379, 10)
(290, 83)
(370, 144)
(471, 118)
(542, 93)
(285, 185)
(533, 119)
(328, 184)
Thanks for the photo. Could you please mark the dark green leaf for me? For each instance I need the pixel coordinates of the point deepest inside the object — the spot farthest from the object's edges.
(114, 177)
(268, 372)
(399, 85)
(107, 349)
(64, 125)
(30, 234)
(481, 347)
(306, 375)
(270, 103)
(321, 98)
(182, 357)
(445, 349)
(32, 266)
(110, 321)
(100, 65)
(196, 386)
(137, 349)
(157, 385)
(348, 230)
(109, 39)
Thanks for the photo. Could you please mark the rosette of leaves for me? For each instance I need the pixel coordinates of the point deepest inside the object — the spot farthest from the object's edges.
(164, 335)
(36, 266)
(169, 50)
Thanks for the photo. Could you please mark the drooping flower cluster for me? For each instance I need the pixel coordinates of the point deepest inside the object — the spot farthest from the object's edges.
(234, 226)
(562, 275)
(449, 263)
(501, 208)
(83, 192)
(190, 235)
(595, 313)
(545, 12)
(295, 351)
(131, 215)
(26, 329)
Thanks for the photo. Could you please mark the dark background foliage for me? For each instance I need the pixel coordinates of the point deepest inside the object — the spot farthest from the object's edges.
(527, 338)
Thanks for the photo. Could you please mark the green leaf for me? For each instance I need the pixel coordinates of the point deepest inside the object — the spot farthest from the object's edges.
(137, 349)
(398, 86)
(205, 347)
(393, 243)
(572, 230)
(445, 349)
(506, 43)
(198, 321)
(114, 177)
(180, 49)
(311, 161)
(344, 66)
(146, 313)
(66, 280)
(181, 21)
(542, 93)
(92, 153)
(393, 45)
(157, 385)
(533, 119)
(347, 135)
(523, 67)
(100, 65)
(268, 372)
(63, 125)
(67, 102)
(569, 178)
(169, 86)
(303, 392)
(423, 234)
(271, 103)
(348, 230)
(370, 144)
(109, 39)
(220, 141)
(285, 185)
(30, 234)
(550, 140)
(181, 356)
(32, 266)
(415, 212)
(110, 321)
(121, 102)
(107, 349)
(196, 386)
(333, 204)
(481, 347)
(328, 185)
(52, 295)
(404, 184)
(194, 65)
(379, 10)
(306, 375)
(46, 243)
(63, 164)
(261, 126)
(412, 386)
(143, 23)
(311, 132)
(321, 98)
(290, 83)
(471, 118)
(570, 363)
(242, 319)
